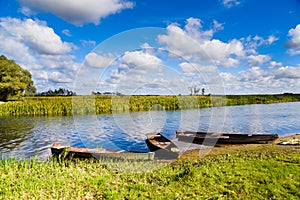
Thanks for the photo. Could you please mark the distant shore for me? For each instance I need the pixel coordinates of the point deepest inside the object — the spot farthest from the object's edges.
(102, 104)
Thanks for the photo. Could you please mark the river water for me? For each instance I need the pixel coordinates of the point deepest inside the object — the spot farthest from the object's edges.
(24, 137)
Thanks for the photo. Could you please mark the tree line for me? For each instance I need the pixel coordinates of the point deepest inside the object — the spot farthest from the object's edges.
(57, 92)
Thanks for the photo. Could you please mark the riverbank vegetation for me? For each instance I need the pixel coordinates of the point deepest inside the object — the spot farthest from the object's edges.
(101, 104)
(269, 172)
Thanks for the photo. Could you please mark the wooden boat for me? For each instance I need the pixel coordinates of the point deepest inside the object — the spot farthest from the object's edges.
(60, 151)
(208, 138)
(162, 146)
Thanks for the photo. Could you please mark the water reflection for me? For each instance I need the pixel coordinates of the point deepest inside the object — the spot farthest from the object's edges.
(14, 131)
(29, 136)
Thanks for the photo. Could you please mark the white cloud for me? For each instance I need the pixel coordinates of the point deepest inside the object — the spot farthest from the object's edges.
(58, 77)
(230, 3)
(252, 43)
(88, 43)
(67, 32)
(146, 46)
(274, 64)
(271, 39)
(293, 45)
(231, 62)
(228, 77)
(14, 48)
(220, 52)
(58, 62)
(143, 72)
(36, 34)
(254, 74)
(287, 72)
(190, 69)
(277, 79)
(127, 71)
(217, 26)
(193, 28)
(259, 41)
(99, 61)
(141, 59)
(193, 43)
(76, 12)
(36, 47)
(257, 60)
(179, 43)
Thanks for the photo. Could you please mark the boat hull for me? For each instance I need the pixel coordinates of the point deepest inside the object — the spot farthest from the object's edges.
(67, 152)
(224, 138)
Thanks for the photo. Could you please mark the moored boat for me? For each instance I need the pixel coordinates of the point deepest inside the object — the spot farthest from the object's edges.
(223, 138)
(58, 150)
(162, 146)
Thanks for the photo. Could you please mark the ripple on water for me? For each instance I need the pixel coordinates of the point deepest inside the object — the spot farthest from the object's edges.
(24, 137)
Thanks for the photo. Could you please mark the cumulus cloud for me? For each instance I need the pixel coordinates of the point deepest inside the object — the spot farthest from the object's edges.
(127, 72)
(257, 60)
(99, 61)
(77, 12)
(14, 48)
(58, 77)
(193, 28)
(144, 72)
(36, 34)
(230, 3)
(287, 72)
(228, 78)
(252, 43)
(192, 42)
(190, 69)
(276, 79)
(140, 59)
(36, 47)
(293, 45)
(254, 74)
(261, 41)
(220, 52)
(274, 64)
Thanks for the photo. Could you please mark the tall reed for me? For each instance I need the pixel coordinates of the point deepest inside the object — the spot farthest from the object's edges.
(96, 104)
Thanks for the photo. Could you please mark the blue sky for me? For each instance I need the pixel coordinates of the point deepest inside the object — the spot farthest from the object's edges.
(224, 46)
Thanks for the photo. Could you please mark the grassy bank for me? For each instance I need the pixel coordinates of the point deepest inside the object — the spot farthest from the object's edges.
(82, 105)
(270, 172)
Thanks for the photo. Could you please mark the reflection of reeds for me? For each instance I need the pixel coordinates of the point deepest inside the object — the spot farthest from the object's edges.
(85, 105)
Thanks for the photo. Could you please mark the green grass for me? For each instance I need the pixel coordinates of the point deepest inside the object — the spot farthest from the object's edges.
(87, 105)
(264, 174)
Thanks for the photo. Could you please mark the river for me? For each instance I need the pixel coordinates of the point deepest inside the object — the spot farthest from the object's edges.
(24, 137)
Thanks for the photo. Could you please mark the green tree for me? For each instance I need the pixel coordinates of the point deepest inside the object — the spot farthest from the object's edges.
(14, 80)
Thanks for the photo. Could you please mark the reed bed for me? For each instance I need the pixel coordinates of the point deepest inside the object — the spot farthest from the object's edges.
(260, 99)
(96, 104)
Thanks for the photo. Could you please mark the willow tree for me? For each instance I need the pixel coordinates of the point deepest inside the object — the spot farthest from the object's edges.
(14, 80)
